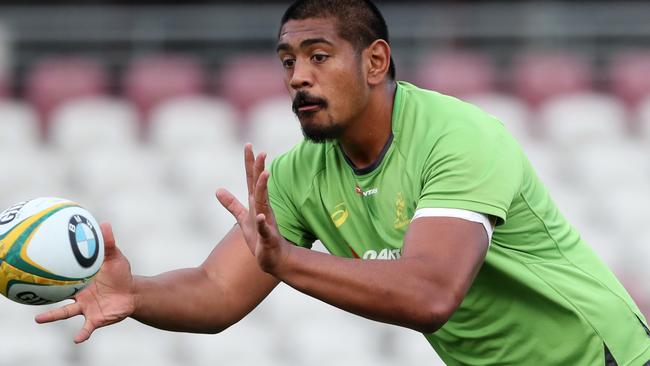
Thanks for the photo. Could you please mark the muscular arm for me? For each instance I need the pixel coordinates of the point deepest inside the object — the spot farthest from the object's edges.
(208, 298)
(421, 290)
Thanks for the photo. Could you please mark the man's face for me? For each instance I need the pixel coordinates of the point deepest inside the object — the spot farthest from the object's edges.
(324, 76)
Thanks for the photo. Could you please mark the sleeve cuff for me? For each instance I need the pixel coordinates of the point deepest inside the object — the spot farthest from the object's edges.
(458, 213)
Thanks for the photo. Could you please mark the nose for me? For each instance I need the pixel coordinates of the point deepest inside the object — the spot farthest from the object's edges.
(301, 76)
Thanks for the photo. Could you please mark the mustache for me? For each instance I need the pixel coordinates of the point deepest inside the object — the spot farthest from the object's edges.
(303, 98)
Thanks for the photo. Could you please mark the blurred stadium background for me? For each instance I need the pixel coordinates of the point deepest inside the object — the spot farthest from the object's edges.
(139, 111)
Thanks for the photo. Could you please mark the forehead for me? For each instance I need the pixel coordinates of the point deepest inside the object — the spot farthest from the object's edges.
(294, 31)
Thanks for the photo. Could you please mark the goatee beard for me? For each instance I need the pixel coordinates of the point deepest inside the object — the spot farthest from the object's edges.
(320, 134)
(311, 131)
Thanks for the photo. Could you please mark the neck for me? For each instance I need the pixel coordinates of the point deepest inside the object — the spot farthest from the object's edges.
(364, 140)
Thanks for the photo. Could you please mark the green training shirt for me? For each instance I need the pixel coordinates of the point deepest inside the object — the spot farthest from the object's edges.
(542, 297)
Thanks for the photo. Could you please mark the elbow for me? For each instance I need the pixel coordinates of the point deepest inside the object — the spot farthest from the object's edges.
(220, 325)
(213, 329)
(435, 313)
(212, 326)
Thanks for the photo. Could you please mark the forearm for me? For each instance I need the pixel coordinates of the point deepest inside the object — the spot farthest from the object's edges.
(400, 292)
(184, 300)
(208, 298)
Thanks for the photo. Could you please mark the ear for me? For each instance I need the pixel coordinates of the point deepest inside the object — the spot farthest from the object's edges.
(378, 60)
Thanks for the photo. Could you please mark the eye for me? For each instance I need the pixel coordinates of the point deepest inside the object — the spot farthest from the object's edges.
(288, 63)
(319, 57)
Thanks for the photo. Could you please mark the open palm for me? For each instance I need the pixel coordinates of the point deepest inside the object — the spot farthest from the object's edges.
(107, 299)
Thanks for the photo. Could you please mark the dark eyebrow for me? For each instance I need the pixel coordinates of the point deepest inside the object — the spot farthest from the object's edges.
(304, 44)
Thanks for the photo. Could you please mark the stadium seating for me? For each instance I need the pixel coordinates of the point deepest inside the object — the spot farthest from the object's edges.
(158, 192)
(149, 212)
(192, 122)
(130, 343)
(629, 75)
(642, 120)
(456, 72)
(614, 163)
(540, 75)
(546, 161)
(5, 85)
(5, 61)
(583, 118)
(93, 123)
(511, 111)
(197, 173)
(607, 244)
(628, 209)
(151, 80)
(53, 348)
(54, 81)
(100, 175)
(410, 348)
(30, 173)
(273, 127)
(246, 80)
(304, 324)
(234, 347)
(18, 126)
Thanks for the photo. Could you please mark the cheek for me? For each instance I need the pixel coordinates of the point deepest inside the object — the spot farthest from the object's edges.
(286, 79)
(356, 96)
(349, 96)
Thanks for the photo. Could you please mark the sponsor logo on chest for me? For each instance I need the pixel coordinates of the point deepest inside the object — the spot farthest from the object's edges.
(340, 214)
(367, 193)
(382, 254)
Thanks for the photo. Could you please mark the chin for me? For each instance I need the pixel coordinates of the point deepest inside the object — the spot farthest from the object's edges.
(318, 133)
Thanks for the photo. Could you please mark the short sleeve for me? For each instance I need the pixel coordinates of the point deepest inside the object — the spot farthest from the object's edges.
(290, 222)
(474, 166)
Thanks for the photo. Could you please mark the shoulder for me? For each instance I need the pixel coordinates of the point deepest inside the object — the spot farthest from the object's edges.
(430, 120)
(435, 112)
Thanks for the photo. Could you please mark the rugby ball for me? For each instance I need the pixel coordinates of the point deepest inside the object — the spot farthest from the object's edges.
(50, 248)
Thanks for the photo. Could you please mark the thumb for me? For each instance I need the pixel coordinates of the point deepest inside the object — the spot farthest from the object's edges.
(85, 332)
(109, 239)
(262, 227)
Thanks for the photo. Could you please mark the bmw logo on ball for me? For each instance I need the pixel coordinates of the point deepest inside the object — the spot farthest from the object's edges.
(83, 239)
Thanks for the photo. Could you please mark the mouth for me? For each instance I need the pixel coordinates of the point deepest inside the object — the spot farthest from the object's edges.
(309, 108)
(305, 104)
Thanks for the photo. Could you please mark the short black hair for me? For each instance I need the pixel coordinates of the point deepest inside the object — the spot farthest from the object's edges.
(358, 21)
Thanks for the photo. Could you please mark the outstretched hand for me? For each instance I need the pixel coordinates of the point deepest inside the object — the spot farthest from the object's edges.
(107, 299)
(257, 222)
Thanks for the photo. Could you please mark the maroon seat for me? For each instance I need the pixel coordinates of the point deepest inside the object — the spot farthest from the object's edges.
(538, 76)
(456, 72)
(154, 79)
(629, 74)
(246, 80)
(54, 81)
(5, 85)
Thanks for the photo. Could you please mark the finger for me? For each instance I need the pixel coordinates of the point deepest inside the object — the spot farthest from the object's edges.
(249, 160)
(109, 239)
(259, 167)
(232, 204)
(262, 228)
(262, 194)
(64, 312)
(85, 332)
